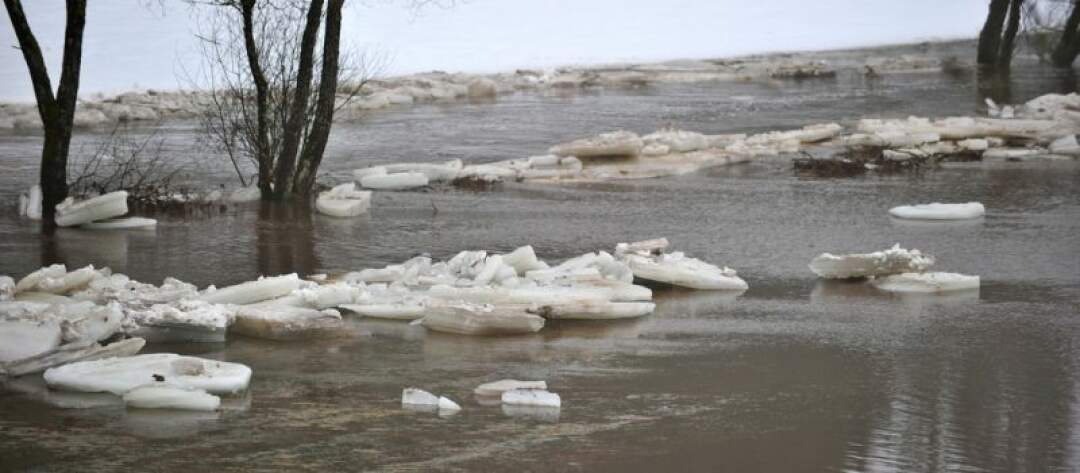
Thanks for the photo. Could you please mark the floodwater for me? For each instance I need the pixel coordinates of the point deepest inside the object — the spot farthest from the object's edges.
(795, 374)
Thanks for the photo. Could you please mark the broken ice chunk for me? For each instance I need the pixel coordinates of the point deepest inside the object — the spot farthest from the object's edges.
(481, 320)
(398, 181)
(120, 223)
(287, 323)
(165, 396)
(402, 311)
(496, 388)
(927, 282)
(678, 269)
(70, 213)
(879, 263)
(447, 406)
(343, 201)
(418, 397)
(7, 288)
(531, 397)
(20, 339)
(254, 291)
(938, 211)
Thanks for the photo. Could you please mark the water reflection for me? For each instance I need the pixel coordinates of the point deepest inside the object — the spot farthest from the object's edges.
(285, 239)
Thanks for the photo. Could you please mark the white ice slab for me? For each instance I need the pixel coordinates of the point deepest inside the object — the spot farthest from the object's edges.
(938, 211)
(447, 406)
(679, 270)
(165, 396)
(120, 375)
(70, 213)
(402, 311)
(879, 263)
(531, 397)
(254, 291)
(481, 320)
(7, 288)
(496, 388)
(927, 282)
(70, 353)
(21, 339)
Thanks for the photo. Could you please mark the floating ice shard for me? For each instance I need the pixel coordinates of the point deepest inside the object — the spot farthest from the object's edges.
(7, 288)
(418, 397)
(496, 388)
(926, 282)
(447, 406)
(165, 396)
(70, 212)
(879, 263)
(531, 397)
(120, 375)
(938, 211)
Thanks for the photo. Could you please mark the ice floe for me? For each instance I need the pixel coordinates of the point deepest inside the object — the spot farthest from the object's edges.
(496, 388)
(938, 211)
(120, 375)
(648, 262)
(934, 282)
(531, 397)
(343, 201)
(71, 212)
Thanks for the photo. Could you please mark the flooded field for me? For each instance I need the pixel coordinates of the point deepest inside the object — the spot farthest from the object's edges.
(795, 374)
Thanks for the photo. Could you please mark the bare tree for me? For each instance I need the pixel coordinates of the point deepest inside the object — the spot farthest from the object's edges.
(273, 87)
(57, 110)
(998, 36)
(1068, 45)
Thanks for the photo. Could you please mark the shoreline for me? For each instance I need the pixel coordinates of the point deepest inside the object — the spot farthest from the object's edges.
(151, 105)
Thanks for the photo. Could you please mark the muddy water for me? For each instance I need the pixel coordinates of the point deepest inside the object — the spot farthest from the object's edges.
(793, 375)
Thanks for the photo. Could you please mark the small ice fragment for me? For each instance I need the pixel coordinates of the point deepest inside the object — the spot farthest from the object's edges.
(447, 406)
(927, 282)
(496, 388)
(418, 397)
(531, 397)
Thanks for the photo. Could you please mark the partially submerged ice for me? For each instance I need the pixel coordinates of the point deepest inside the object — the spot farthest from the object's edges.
(938, 211)
(933, 282)
(879, 263)
(343, 201)
(277, 322)
(163, 395)
(71, 212)
(418, 399)
(120, 375)
(253, 291)
(120, 223)
(496, 388)
(647, 261)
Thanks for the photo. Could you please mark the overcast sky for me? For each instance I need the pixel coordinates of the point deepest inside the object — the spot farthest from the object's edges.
(127, 46)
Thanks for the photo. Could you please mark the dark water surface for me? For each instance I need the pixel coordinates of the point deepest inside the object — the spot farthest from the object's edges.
(795, 374)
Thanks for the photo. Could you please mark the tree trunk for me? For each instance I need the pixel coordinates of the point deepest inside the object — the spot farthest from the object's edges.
(1069, 45)
(263, 152)
(294, 123)
(57, 112)
(315, 146)
(990, 36)
(1006, 50)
